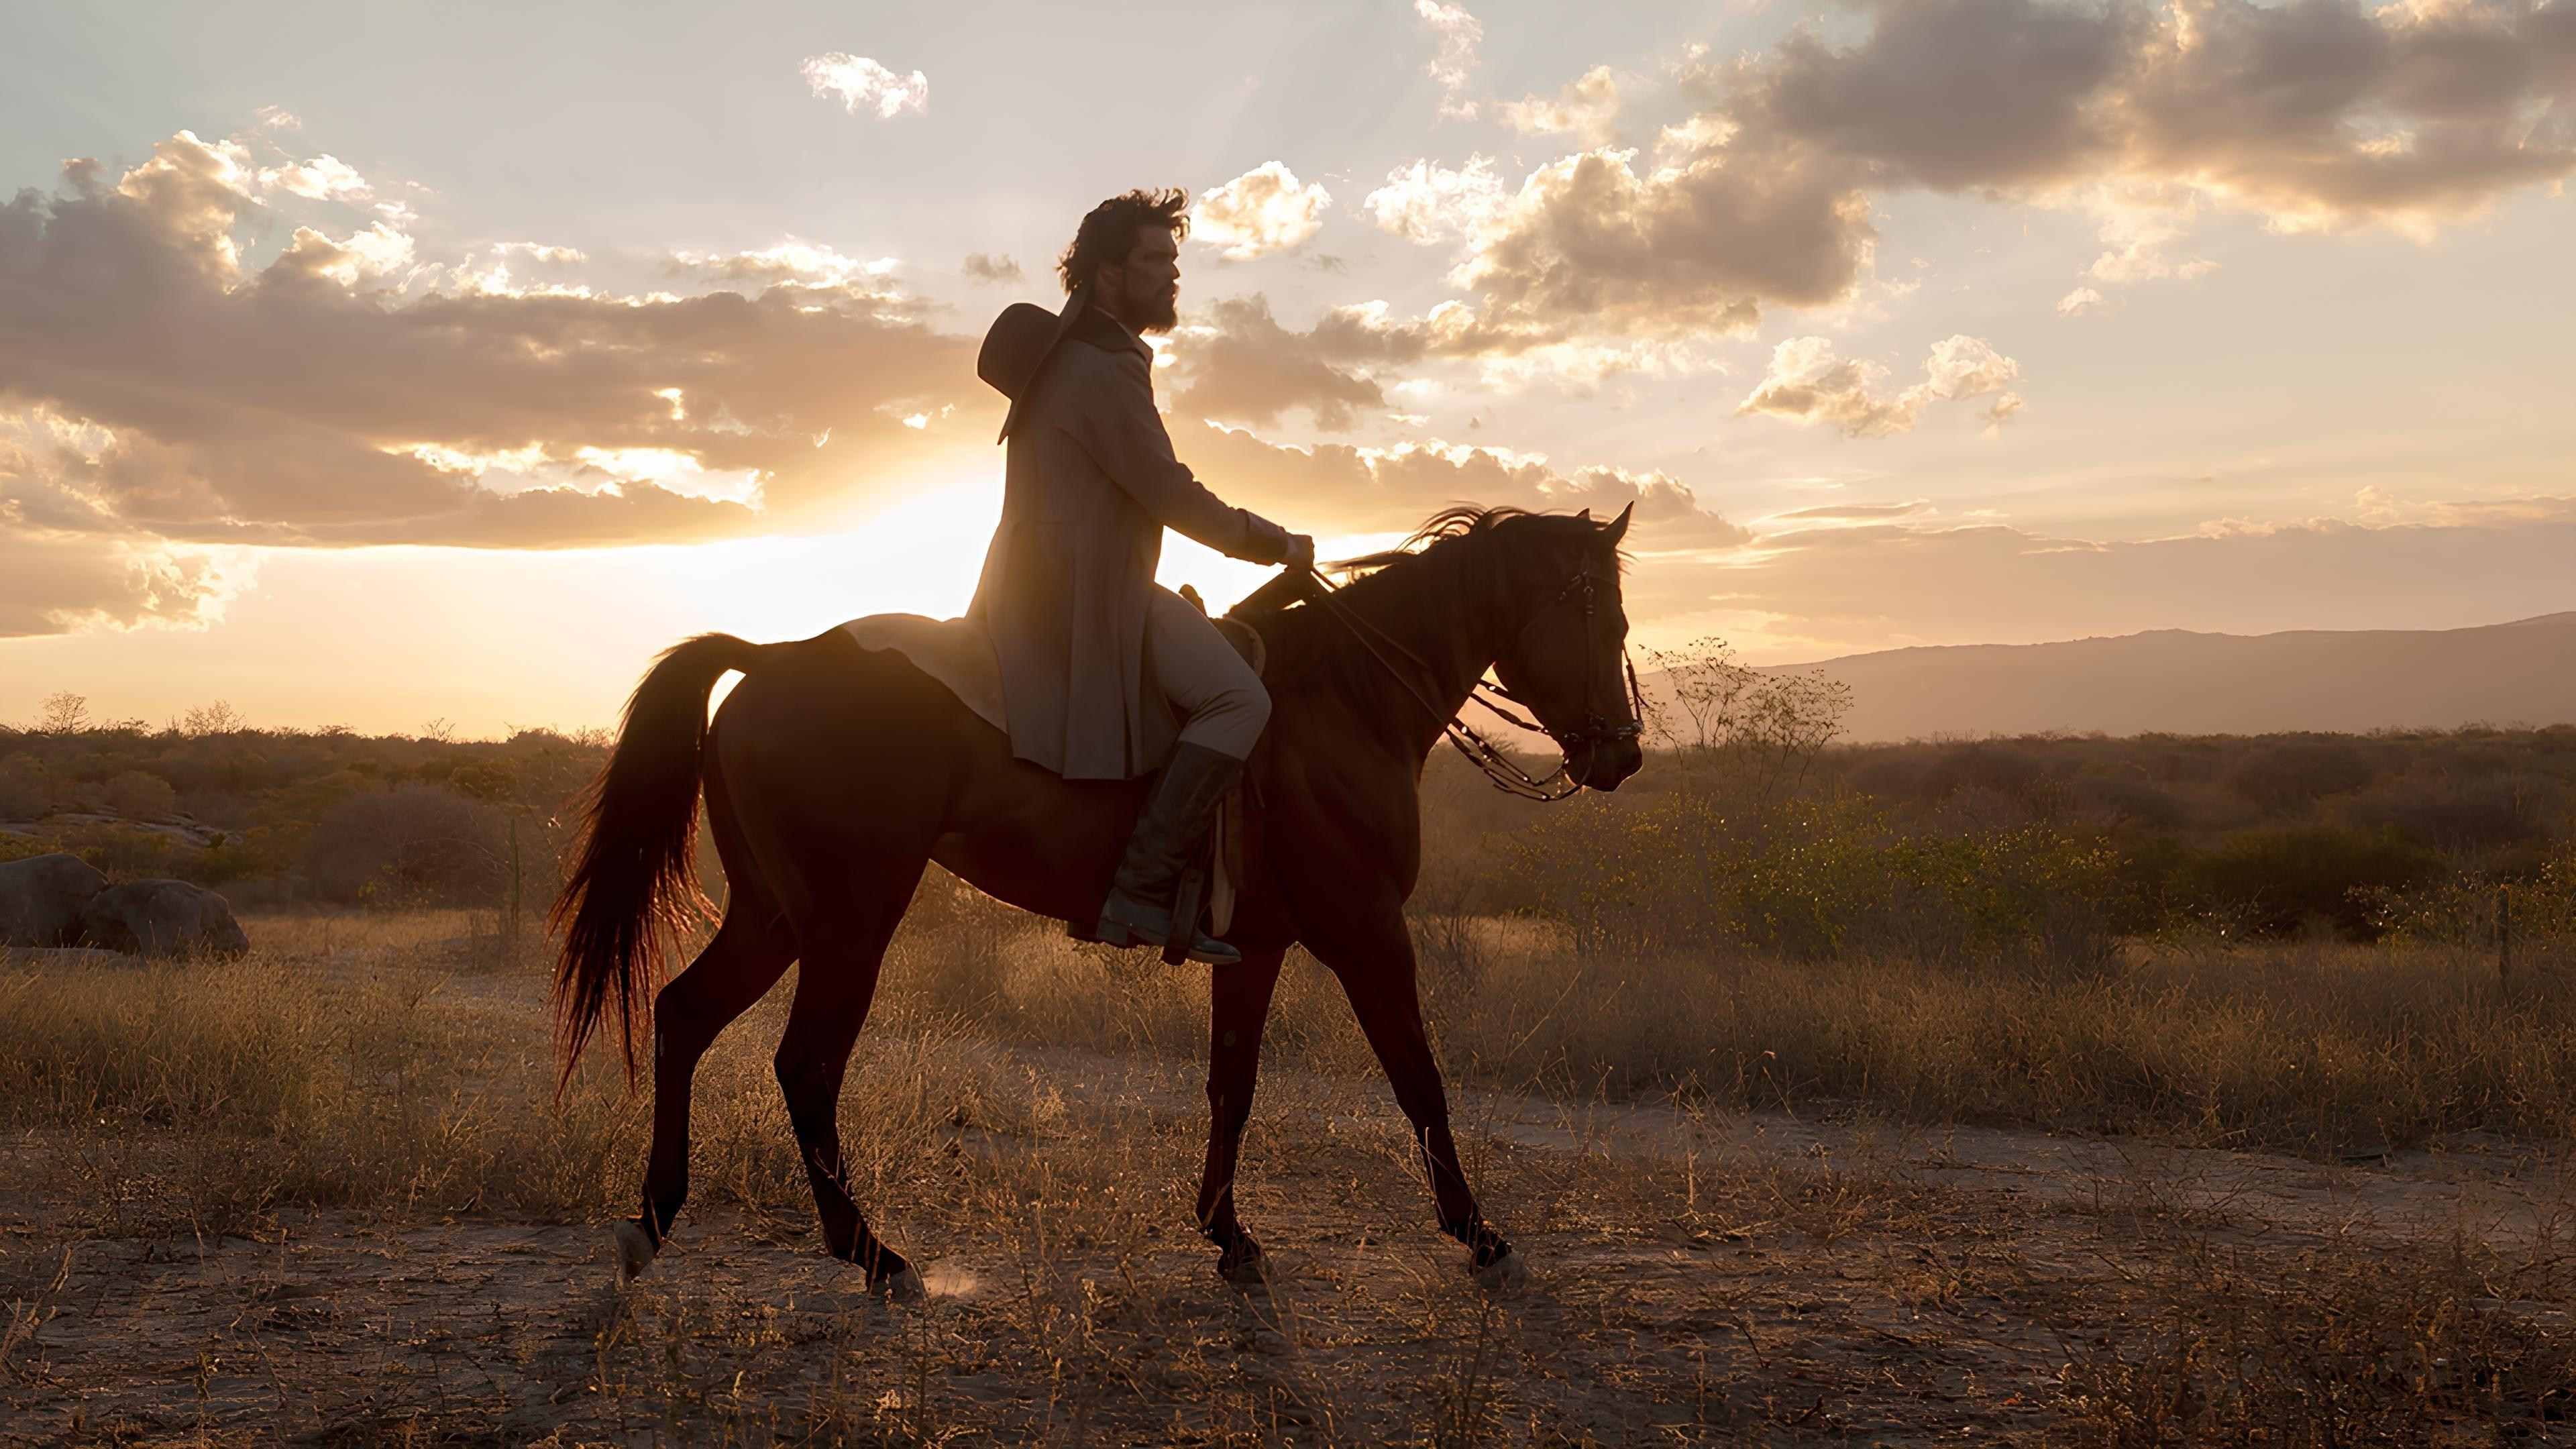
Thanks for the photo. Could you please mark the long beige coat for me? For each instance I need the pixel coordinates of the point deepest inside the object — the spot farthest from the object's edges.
(1091, 484)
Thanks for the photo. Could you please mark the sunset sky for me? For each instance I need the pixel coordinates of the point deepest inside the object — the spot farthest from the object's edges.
(376, 364)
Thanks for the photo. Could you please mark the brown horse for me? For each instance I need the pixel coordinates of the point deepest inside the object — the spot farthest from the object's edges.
(834, 774)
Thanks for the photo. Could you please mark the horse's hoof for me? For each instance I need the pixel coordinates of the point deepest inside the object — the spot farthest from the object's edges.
(1506, 1274)
(635, 1250)
(904, 1285)
(1243, 1264)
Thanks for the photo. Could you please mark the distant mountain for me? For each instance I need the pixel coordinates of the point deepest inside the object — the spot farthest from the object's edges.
(2186, 683)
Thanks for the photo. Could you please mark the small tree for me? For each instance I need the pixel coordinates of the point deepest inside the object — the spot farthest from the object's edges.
(1771, 726)
(218, 718)
(63, 713)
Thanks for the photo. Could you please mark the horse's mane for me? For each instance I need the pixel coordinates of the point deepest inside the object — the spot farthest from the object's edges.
(1458, 520)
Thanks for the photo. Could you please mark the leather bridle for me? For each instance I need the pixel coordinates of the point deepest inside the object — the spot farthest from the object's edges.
(1498, 767)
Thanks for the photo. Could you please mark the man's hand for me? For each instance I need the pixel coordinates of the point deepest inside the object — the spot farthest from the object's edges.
(1301, 553)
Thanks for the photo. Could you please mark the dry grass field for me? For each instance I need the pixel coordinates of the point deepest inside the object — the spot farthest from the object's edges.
(2291, 1194)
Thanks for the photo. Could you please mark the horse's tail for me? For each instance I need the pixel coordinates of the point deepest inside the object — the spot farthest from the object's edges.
(634, 882)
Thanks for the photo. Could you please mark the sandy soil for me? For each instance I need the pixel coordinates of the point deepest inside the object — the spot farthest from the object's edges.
(1698, 1279)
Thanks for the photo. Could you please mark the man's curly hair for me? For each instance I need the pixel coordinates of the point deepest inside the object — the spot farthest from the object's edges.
(1108, 234)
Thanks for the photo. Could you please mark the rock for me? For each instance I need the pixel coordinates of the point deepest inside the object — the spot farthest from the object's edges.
(41, 899)
(163, 918)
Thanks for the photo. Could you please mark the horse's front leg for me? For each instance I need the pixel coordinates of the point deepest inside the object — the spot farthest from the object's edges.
(1371, 951)
(1238, 1008)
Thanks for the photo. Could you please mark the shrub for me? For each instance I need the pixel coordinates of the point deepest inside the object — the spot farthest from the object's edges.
(138, 796)
(2286, 778)
(22, 788)
(2127, 797)
(2461, 815)
(1979, 766)
(413, 845)
(2462, 908)
(1810, 878)
(2275, 880)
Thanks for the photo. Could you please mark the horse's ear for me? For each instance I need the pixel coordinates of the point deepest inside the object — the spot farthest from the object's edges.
(1617, 528)
(1585, 515)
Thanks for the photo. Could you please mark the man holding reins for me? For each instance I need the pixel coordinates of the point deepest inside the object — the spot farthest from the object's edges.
(1106, 674)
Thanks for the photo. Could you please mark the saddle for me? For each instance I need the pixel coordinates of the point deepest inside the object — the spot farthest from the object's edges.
(958, 654)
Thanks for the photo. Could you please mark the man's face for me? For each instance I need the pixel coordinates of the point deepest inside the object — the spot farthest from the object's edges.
(1147, 286)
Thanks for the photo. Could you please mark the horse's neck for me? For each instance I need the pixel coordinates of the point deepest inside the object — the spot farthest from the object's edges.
(1440, 608)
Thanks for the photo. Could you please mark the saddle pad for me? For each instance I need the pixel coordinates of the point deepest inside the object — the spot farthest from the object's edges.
(959, 655)
(956, 652)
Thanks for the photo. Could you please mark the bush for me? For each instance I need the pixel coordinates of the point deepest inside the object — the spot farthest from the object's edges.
(413, 845)
(2126, 797)
(1810, 878)
(1979, 766)
(2284, 779)
(2462, 815)
(22, 788)
(2274, 881)
(2461, 909)
(138, 796)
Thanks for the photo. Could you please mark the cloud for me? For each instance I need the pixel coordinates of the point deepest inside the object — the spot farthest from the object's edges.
(1459, 33)
(2313, 113)
(792, 262)
(57, 584)
(1426, 203)
(1387, 489)
(2082, 302)
(991, 268)
(864, 85)
(1589, 244)
(1947, 94)
(65, 565)
(2321, 114)
(1807, 383)
(1855, 512)
(1244, 367)
(1587, 109)
(1850, 588)
(2139, 227)
(322, 400)
(324, 178)
(1262, 211)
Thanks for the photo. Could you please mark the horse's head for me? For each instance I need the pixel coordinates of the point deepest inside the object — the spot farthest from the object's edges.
(1568, 663)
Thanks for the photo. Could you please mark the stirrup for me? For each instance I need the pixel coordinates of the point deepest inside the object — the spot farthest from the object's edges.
(1203, 948)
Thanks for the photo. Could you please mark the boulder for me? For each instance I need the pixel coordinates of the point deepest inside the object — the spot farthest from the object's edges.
(163, 918)
(41, 899)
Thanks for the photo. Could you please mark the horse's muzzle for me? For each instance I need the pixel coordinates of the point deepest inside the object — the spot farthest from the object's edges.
(1607, 762)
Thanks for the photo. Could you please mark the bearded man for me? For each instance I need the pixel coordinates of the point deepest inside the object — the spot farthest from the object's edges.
(1106, 675)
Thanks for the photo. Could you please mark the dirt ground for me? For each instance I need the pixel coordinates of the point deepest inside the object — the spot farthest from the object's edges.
(1697, 1280)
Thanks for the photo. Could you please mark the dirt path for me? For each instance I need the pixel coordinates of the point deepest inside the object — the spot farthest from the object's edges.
(1700, 1279)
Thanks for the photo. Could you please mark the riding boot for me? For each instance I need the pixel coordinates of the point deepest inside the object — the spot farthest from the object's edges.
(1176, 815)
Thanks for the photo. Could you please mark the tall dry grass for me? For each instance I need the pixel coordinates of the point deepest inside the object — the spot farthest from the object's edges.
(2308, 1046)
(403, 1076)
(396, 1063)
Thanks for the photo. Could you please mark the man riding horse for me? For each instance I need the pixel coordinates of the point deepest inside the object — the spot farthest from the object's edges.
(1107, 675)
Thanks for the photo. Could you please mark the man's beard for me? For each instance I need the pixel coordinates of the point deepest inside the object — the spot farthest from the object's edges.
(1160, 312)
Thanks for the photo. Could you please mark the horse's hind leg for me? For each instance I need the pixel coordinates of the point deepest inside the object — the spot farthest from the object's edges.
(1238, 1008)
(843, 946)
(751, 950)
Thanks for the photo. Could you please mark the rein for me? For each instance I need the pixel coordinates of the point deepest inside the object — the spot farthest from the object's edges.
(1499, 768)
